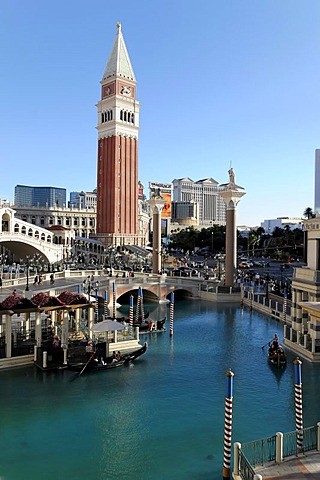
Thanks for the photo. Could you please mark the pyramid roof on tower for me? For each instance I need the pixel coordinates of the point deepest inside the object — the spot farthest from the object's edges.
(119, 64)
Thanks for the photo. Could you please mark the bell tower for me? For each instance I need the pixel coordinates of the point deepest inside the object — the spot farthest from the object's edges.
(117, 169)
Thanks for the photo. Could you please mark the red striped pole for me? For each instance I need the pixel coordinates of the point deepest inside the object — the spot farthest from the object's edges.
(114, 300)
(171, 310)
(228, 426)
(131, 314)
(298, 403)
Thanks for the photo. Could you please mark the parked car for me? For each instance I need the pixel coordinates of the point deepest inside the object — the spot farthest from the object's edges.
(245, 264)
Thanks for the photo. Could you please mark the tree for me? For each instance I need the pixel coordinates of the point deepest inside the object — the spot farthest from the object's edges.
(308, 213)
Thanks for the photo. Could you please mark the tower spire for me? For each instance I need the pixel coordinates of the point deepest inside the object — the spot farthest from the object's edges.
(119, 64)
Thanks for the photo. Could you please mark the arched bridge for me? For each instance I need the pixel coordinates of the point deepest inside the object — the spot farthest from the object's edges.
(24, 239)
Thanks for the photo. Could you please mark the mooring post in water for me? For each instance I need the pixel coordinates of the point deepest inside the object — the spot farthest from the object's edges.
(138, 305)
(131, 315)
(298, 402)
(228, 426)
(105, 306)
(114, 301)
(171, 310)
(284, 306)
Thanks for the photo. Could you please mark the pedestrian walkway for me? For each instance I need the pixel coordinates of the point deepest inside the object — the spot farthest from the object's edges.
(305, 466)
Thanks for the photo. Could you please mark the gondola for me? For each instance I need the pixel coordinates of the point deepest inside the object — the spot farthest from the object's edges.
(96, 364)
(277, 356)
(151, 326)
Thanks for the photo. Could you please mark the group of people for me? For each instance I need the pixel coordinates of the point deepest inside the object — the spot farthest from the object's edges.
(37, 280)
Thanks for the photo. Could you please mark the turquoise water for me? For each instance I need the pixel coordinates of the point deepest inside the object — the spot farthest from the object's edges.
(162, 418)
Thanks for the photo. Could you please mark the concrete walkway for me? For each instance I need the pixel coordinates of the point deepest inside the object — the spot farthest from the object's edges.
(305, 466)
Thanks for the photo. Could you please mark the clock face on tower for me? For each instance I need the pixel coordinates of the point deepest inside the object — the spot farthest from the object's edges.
(124, 90)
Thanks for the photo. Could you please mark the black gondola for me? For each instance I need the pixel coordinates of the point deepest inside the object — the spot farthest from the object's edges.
(151, 326)
(277, 356)
(96, 363)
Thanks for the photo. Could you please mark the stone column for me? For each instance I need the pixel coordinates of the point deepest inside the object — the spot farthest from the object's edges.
(156, 204)
(231, 194)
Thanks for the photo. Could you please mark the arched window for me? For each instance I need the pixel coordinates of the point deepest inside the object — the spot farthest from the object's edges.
(30, 232)
(16, 228)
(23, 230)
(49, 239)
(121, 114)
(42, 221)
(36, 234)
(43, 237)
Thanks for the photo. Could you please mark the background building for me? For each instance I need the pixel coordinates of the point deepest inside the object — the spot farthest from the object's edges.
(205, 193)
(28, 196)
(282, 222)
(83, 199)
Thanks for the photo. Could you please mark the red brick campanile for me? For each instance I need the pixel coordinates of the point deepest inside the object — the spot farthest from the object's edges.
(117, 171)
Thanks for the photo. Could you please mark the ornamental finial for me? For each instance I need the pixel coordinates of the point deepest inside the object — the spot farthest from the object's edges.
(119, 26)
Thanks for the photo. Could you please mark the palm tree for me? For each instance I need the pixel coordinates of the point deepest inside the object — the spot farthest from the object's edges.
(308, 213)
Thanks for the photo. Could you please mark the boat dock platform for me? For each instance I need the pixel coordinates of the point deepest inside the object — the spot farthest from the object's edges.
(304, 466)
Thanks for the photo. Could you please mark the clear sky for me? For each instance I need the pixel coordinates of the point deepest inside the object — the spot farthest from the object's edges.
(228, 82)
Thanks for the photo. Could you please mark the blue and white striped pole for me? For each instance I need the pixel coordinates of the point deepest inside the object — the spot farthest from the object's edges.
(284, 307)
(298, 402)
(138, 305)
(106, 308)
(96, 307)
(171, 310)
(114, 300)
(131, 314)
(228, 426)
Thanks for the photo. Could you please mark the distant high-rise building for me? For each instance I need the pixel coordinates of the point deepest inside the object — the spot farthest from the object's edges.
(317, 182)
(204, 193)
(28, 196)
(117, 172)
(83, 199)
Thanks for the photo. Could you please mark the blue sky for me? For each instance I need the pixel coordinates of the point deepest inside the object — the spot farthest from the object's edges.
(219, 82)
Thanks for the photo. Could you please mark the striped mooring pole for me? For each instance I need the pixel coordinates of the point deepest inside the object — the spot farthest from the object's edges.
(114, 301)
(105, 305)
(171, 310)
(228, 426)
(138, 305)
(141, 304)
(284, 307)
(298, 402)
(131, 314)
(96, 307)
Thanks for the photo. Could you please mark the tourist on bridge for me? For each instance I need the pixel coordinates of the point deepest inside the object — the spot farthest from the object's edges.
(36, 280)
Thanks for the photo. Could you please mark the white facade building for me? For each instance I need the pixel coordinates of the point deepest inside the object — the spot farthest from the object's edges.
(281, 222)
(205, 193)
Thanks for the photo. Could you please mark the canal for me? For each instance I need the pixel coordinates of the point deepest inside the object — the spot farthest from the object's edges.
(162, 418)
